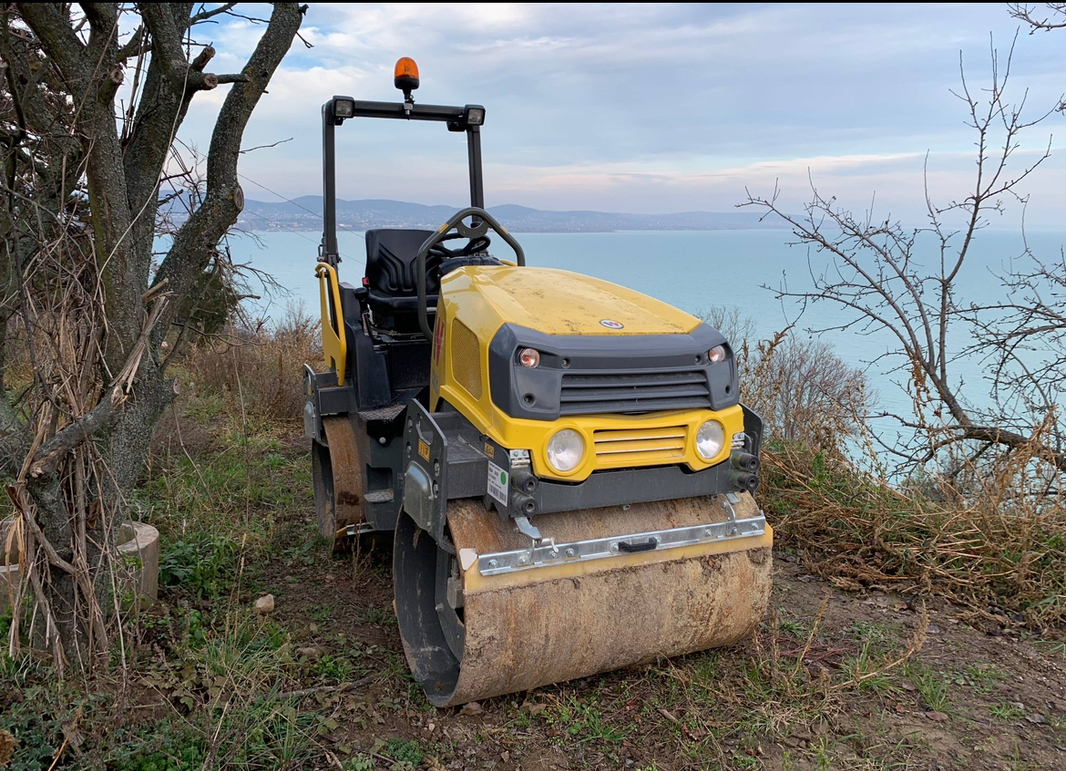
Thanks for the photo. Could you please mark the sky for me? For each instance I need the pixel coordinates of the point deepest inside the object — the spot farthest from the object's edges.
(653, 108)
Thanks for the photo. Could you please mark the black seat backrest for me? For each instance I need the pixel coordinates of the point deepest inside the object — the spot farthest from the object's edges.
(391, 266)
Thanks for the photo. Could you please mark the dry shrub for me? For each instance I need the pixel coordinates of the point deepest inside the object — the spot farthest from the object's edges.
(260, 368)
(801, 389)
(985, 527)
(805, 393)
(1000, 553)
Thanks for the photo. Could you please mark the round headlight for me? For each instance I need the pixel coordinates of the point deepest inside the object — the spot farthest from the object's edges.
(565, 450)
(709, 439)
(529, 357)
(716, 354)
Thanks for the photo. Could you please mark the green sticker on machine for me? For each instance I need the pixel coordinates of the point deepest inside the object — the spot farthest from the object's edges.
(497, 483)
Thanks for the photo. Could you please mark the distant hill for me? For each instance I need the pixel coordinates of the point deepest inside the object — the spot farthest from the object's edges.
(305, 213)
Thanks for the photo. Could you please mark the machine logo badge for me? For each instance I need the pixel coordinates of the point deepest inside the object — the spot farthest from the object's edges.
(611, 324)
(423, 449)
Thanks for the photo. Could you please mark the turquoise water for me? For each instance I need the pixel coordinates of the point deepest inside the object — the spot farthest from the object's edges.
(692, 270)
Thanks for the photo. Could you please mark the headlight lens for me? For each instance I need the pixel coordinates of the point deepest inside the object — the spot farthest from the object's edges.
(716, 354)
(565, 450)
(709, 439)
(529, 358)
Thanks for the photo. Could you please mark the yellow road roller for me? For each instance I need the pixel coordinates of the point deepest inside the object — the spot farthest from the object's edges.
(564, 463)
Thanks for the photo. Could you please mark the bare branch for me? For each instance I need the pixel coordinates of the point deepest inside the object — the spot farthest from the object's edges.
(203, 16)
(1056, 19)
(874, 270)
(264, 147)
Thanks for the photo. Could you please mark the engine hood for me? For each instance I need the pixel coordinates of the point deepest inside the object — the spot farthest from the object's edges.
(558, 302)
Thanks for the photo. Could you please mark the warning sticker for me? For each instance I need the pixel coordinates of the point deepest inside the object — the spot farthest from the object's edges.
(497, 483)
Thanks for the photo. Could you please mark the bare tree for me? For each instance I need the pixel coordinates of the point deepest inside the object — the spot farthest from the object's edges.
(83, 315)
(1052, 16)
(800, 388)
(904, 281)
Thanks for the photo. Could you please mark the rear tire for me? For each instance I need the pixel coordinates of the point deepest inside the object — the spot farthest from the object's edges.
(338, 481)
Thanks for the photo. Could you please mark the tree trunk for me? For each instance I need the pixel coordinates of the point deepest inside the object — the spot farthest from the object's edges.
(79, 440)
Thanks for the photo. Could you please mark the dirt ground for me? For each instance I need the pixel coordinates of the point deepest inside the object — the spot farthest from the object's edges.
(827, 683)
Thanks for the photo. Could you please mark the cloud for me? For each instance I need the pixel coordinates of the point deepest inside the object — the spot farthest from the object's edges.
(640, 107)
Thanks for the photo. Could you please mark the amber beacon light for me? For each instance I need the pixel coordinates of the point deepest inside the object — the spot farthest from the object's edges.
(405, 76)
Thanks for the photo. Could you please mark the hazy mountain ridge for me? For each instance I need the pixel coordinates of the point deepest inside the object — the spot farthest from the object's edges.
(305, 214)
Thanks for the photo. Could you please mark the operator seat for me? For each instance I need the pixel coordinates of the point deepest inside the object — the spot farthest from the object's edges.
(391, 269)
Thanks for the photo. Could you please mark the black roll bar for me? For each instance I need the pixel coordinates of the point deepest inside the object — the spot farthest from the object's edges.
(456, 118)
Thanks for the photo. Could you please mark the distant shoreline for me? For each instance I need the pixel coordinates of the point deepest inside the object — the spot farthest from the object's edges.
(304, 215)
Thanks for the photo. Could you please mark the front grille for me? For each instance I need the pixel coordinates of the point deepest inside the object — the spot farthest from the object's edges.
(585, 394)
(618, 448)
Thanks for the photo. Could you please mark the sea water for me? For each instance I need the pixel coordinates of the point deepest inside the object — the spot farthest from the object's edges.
(696, 270)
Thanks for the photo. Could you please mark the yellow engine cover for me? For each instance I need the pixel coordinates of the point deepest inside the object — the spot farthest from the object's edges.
(555, 302)
(476, 301)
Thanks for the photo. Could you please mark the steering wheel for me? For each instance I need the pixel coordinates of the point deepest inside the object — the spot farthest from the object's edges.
(472, 246)
(481, 222)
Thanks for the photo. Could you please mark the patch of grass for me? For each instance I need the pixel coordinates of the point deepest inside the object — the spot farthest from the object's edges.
(1006, 711)
(867, 669)
(582, 722)
(872, 632)
(706, 669)
(981, 677)
(932, 686)
(378, 616)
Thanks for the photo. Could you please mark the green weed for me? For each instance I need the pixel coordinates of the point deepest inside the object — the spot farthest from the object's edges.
(167, 748)
(792, 628)
(932, 686)
(203, 565)
(981, 677)
(36, 726)
(582, 722)
(406, 751)
(1006, 711)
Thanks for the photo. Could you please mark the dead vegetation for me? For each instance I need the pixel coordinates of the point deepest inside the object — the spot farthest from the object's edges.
(260, 366)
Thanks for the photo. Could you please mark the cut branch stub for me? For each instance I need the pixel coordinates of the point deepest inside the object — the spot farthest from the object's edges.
(202, 58)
